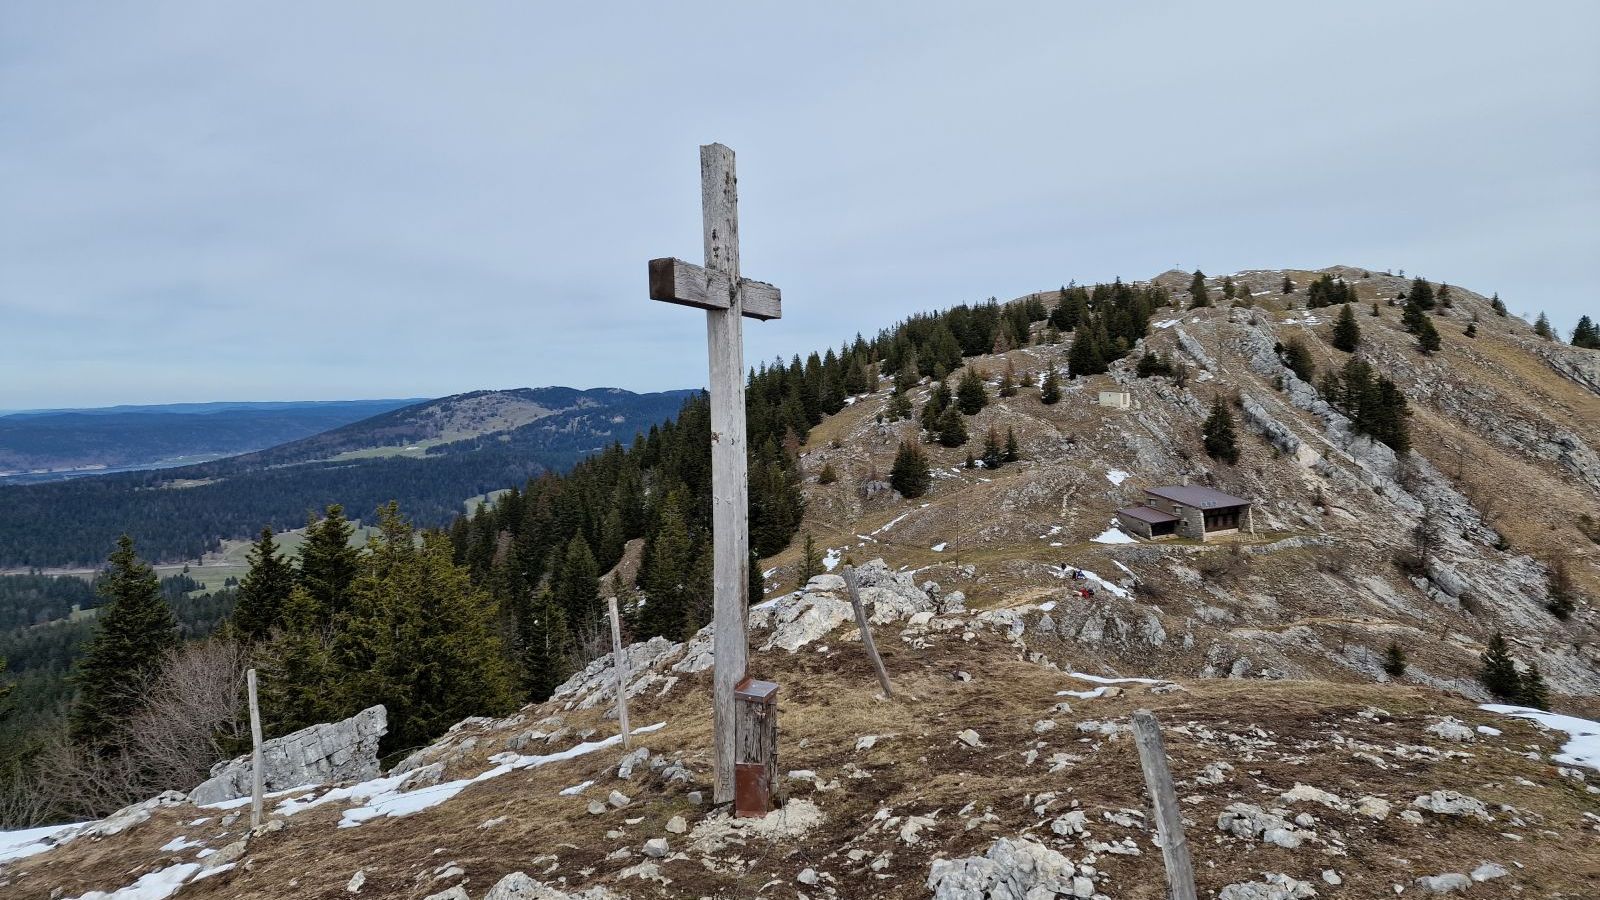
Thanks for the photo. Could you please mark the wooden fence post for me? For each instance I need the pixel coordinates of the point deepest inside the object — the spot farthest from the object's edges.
(620, 663)
(1164, 799)
(853, 586)
(257, 777)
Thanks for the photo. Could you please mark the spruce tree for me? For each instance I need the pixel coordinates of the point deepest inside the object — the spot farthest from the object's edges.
(910, 475)
(1428, 338)
(328, 563)
(899, 406)
(1013, 452)
(1498, 673)
(1498, 305)
(1541, 327)
(1421, 293)
(298, 680)
(971, 396)
(264, 591)
(1394, 660)
(133, 631)
(952, 428)
(1221, 443)
(1297, 356)
(1531, 690)
(665, 577)
(810, 563)
(1288, 285)
(1228, 288)
(1346, 333)
(1085, 357)
(1198, 295)
(420, 638)
(1050, 388)
(1008, 381)
(578, 587)
(1414, 317)
(545, 649)
(1586, 334)
(993, 455)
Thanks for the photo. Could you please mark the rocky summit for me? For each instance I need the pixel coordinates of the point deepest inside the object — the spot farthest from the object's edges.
(1314, 666)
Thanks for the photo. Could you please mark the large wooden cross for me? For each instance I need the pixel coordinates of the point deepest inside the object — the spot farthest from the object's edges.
(717, 288)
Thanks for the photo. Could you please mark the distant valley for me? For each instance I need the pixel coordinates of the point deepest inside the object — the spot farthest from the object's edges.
(50, 445)
(430, 456)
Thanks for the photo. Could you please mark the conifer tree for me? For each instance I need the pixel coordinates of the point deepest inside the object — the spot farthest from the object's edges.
(952, 428)
(971, 463)
(1013, 452)
(1541, 327)
(1375, 313)
(1443, 296)
(1586, 334)
(298, 678)
(1428, 338)
(264, 591)
(1198, 295)
(1085, 357)
(1052, 334)
(993, 456)
(1498, 305)
(1471, 330)
(1297, 356)
(1414, 317)
(419, 638)
(1421, 293)
(669, 557)
(810, 563)
(1221, 442)
(1394, 660)
(910, 475)
(328, 563)
(899, 407)
(1346, 333)
(1288, 285)
(134, 629)
(1561, 600)
(1531, 690)
(1228, 288)
(939, 400)
(545, 647)
(578, 587)
(971, 396)
(1008, 381)
(1050, 388)
(1498, 673)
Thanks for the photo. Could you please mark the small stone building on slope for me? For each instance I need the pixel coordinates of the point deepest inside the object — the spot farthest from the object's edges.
(1184, 511)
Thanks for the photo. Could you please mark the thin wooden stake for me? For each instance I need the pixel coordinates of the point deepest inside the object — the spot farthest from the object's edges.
(851, 583)
(257, 777)
(620, 663)
(1164, 798)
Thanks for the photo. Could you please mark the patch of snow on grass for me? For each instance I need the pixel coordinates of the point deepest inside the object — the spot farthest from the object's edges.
(393, 803)
(1583, 745)
(891, 523)
(939, 547)
(28, 841)
(1167, 324)
(157, 885)
(178, 843)
(577, 789)
(1116, 476)
(830, 560)
(1113, 535)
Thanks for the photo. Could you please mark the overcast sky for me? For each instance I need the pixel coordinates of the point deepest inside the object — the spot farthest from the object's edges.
(273, 201)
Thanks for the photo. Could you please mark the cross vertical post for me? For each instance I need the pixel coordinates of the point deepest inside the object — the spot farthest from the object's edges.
(727, 299)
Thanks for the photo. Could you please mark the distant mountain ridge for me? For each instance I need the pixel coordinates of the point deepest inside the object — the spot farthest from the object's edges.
(429, 456)
(46, 445)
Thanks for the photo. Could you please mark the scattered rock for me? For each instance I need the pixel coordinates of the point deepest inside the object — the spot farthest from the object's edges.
(1488, 872)
(356, 881)
(1451, 729)
(1010, 869)
(1276, 886)
(322, 754)
(969, 737)
(618, 799)
(656, 848)
(456, 893)
(1446, 883)
(677, 825)
(1452, 803)
(1373, 807)
(807, 876)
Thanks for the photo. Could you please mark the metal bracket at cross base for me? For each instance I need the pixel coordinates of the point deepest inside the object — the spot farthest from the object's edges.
(755, 770)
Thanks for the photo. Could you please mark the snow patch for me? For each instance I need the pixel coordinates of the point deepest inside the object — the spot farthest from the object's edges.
(1113, 535)
(1116, 476)
(28, 841)
(1583, 745)
(830, 560)
(157, 885)
(577, 789)
(939, 547)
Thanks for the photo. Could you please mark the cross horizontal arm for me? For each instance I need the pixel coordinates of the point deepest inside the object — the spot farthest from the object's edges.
(676, 281)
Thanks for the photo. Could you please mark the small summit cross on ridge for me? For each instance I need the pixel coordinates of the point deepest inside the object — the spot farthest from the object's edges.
(718, 289)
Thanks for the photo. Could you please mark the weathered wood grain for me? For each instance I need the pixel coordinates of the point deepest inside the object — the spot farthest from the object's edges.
(684, 283)
(256, 775)
(619, 661)
(851, 584)
(1164, 799)
(719, 203)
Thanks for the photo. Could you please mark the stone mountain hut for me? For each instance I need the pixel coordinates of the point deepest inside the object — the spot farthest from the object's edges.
(1184, 511)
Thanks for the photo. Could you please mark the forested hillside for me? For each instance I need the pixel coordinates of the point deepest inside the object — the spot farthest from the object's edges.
(181, 513)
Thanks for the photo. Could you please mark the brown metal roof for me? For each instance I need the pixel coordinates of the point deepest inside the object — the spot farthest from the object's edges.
(1148, 514)
(1198, 497)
